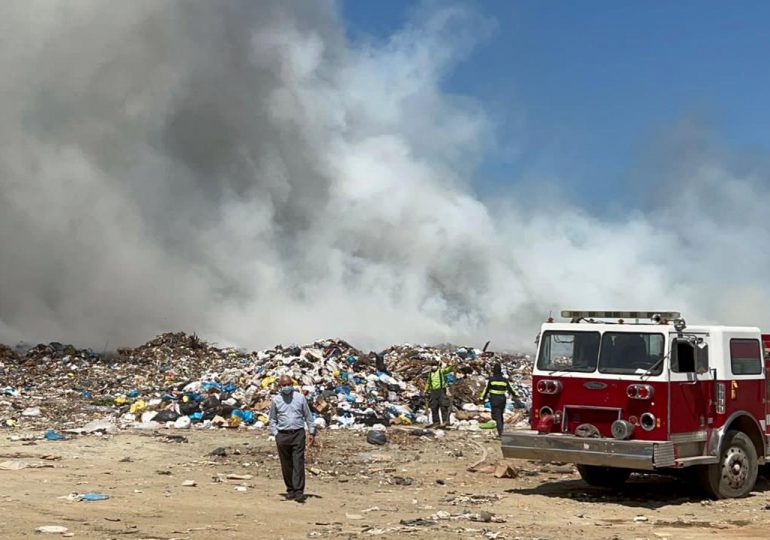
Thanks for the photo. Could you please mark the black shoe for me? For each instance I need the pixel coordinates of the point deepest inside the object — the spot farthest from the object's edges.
(290, 496)
(300, 498)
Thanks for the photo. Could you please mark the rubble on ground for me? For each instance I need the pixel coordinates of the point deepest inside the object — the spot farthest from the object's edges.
(179, 380)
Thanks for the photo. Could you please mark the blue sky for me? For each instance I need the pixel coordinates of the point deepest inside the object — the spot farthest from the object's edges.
(583, 90)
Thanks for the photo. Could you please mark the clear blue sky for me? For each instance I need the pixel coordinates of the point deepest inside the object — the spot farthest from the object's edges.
(586, 87)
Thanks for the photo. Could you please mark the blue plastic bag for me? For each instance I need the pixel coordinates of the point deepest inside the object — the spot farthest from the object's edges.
(93, 496)
(246, 416)
(52, 435)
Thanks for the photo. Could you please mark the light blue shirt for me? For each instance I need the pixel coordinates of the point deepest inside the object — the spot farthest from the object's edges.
(290, 412)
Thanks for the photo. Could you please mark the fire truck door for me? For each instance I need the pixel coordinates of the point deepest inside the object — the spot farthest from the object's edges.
(690, 385)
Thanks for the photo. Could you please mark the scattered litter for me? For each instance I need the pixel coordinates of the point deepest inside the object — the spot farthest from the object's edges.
(376, 437)
(472, 499)
(52, 435)
(239, 477)
(403, 481)
(504, 470)
(95, 426)
(52, 529)
(484, 517)
(92, 496)
(17, 465)
(418, 522)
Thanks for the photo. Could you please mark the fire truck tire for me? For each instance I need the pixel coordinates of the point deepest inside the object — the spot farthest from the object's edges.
(608, 477)
(736, 473)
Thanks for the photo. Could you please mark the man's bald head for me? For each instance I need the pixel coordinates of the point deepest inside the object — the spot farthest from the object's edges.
(285, 380)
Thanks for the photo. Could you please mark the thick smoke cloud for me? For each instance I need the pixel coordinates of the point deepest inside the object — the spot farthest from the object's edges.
(241, 170)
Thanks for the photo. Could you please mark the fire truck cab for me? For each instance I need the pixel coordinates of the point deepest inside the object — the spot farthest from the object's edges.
(616, 392)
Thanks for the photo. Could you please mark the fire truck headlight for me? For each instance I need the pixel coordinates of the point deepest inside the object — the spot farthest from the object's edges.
(548, 386)
(622, 429)
(640, 391)
(647, 421)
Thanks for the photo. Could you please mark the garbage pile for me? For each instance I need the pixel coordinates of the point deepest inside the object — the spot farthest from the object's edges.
(7, 354)
(182, 381)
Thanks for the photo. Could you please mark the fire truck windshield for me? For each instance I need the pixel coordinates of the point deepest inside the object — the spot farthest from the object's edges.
(613, 352)
(631, 352)
(568, 351)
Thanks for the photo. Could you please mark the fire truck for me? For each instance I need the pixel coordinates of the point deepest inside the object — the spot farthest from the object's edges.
(617, 392)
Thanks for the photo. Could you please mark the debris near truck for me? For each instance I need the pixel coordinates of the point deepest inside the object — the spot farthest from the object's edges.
(619, 392)
(179, 380)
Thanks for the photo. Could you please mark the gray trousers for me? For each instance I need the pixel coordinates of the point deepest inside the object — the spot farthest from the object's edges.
(439, 400)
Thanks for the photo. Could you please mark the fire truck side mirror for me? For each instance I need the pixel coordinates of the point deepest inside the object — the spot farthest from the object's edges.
(702, 358)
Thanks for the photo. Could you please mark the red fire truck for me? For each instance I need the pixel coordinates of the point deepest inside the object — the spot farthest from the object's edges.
(616, 392)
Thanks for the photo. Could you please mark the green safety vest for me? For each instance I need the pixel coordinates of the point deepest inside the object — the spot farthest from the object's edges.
(436, 378)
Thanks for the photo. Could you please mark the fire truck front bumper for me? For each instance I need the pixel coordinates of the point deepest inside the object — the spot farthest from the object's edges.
(641, 455)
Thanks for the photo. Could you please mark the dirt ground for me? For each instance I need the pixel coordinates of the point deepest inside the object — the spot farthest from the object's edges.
(414, 486)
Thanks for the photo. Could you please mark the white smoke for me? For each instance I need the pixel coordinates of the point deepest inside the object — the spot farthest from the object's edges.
(243, 171)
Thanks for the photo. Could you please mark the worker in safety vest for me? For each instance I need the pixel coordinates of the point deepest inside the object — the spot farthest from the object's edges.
(437, 394)
(496, 388)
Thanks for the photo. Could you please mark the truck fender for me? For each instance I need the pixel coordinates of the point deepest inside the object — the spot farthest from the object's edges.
(739, 421)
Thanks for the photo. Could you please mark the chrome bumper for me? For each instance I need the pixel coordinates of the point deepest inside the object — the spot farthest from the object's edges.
(644, 455)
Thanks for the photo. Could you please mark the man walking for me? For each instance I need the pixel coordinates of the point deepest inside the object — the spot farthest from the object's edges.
(289, 412)
(437, 394)
(496, 389)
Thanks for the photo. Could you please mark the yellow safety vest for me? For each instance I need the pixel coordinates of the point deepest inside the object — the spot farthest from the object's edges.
(495, 388)
(436, 378)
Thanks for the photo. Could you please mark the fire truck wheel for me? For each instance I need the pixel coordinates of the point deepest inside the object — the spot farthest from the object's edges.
(736, 473)
(609, 477)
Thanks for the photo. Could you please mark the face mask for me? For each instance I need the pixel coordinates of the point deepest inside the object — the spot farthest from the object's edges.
(287, 390)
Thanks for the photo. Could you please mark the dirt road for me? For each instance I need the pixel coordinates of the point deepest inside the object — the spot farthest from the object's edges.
(414, 486)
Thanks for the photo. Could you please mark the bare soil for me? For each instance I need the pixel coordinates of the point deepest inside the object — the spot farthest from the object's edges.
(413, 486)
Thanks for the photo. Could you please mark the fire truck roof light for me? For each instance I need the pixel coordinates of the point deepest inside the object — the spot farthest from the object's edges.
(576, 314)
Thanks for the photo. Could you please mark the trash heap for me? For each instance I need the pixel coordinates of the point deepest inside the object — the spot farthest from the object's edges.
(6, 353)
(180, 380)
